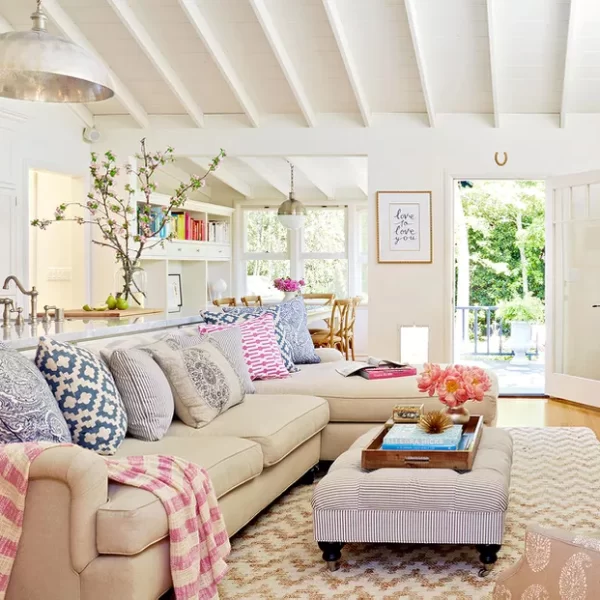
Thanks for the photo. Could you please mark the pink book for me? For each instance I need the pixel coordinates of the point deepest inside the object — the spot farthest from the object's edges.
(387, 372)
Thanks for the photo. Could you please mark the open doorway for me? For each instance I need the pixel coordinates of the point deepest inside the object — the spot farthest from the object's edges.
(56, 255)
(499, 242)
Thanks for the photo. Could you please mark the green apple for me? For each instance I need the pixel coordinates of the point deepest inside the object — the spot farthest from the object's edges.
(122, 303)
(111, 302)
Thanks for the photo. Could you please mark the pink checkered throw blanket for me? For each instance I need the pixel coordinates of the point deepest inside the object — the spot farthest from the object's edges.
(198, 538)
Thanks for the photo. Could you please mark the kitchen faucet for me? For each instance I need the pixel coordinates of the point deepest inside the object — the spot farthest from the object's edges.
(33, 294)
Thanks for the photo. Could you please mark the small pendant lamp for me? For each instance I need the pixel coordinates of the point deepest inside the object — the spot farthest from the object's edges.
(38, 66)
(292, 212)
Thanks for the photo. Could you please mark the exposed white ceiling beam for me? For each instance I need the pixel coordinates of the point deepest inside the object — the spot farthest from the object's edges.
(152, 51)
(313, 175)
(263, 171)
(491, 17)
(53, 9)
(285, 62)
(337, 27)
(359, 167)
(226, 176)
(191, 8)
(82, 111)
(569, 58)
(411, 13)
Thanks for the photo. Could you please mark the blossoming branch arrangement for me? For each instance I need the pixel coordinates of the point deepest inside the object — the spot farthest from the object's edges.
(455, 384)
(114, 213)
(287, 284)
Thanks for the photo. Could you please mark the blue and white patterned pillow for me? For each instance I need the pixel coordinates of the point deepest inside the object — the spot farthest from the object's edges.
(28, 410)
(292, 315)
(227, 318)
(86, 393)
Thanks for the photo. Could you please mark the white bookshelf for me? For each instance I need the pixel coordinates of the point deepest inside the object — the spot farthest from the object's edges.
(199, 263)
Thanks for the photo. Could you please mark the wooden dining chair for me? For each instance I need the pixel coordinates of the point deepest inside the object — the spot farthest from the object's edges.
(347, 334)
(252, 301)
(327, 300)
(332, 337)
(224, 302)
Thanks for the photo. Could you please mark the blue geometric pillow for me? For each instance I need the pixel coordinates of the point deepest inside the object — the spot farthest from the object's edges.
(28, 410)
(293, 318)
(86, 393)
(226, 318)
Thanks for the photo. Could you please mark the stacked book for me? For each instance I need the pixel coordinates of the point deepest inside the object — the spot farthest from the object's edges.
(412, 437)
(376, 368)
(188, 228)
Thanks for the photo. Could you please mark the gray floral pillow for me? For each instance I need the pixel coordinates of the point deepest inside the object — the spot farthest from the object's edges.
(203, 381)
(28, 410)
(293, 318)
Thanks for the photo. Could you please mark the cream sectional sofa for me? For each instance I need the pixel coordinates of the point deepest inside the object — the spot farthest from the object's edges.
(85, 538)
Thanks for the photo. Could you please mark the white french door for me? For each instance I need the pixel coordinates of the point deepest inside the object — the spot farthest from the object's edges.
(573, 288)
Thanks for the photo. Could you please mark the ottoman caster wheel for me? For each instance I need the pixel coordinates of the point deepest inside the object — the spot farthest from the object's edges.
(332, 552)
(488, 554)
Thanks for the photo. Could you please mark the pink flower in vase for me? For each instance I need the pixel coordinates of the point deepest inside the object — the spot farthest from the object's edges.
(451, 388)
(477, 383)
(429, 378)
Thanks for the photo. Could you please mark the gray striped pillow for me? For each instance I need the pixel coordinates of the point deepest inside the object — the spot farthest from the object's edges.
(145, 392)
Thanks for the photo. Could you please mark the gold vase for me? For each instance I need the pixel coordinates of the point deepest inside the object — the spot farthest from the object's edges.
(459, 414)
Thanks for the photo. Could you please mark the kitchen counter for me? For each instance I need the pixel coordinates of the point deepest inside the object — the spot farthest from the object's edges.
(74, 330)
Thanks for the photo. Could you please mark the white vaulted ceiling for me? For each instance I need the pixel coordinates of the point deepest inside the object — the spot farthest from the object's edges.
(306, 59)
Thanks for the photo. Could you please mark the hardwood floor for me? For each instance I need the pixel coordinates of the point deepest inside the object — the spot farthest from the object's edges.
(543, 412)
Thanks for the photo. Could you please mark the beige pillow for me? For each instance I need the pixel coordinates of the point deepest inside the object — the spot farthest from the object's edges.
(203, 382)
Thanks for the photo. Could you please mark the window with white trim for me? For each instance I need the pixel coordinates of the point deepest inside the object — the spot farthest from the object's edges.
(324, 251)
(329, 252)
(265, 252)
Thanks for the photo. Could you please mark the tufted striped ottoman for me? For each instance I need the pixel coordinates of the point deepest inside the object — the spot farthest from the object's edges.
(415, 506)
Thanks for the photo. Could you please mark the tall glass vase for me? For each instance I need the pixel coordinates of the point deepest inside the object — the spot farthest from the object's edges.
(131, 282)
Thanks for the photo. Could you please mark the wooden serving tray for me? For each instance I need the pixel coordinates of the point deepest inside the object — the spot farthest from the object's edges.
(79, 313)
(373, 457)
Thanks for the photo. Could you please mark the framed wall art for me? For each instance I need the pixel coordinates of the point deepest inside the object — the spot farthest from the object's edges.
(404, 227)
(174, 293)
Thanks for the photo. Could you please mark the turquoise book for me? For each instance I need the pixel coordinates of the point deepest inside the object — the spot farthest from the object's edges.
(412, 437)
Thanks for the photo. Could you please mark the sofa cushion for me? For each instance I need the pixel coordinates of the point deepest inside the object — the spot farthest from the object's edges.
(293, 317)
(28, 409)
(145, 392)
(203, 381)
(86, 393)
(284, 345)
(278, 423)
(358, 400)
(133, 519)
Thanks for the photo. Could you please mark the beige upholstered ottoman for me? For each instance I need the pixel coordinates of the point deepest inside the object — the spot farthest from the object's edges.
(420, 506)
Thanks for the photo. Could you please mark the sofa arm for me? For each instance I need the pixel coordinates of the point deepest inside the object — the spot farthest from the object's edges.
(548, 554)
(329, 355)
(80, 473)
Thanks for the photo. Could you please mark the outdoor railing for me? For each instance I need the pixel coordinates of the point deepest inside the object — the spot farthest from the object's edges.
(488, 338)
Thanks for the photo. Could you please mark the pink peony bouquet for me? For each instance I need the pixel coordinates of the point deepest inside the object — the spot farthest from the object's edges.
(455, 384)
(287, 284)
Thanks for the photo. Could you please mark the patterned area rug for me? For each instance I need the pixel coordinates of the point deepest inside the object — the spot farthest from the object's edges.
(555, 482)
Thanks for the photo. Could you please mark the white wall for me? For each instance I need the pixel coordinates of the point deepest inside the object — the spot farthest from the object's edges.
(405, 155)
(58, 248)
(32, 136)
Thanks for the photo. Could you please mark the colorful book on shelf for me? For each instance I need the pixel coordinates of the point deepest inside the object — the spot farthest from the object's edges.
(411, 437)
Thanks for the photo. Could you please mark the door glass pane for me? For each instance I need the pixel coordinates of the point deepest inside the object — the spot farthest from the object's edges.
(577, 291)
(595, 201)
(579, 202)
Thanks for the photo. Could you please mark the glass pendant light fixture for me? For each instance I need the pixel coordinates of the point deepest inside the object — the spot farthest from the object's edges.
(292, 212)
(36, 65)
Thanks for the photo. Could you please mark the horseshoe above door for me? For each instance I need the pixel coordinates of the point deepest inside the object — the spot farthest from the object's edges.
(501, 164)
